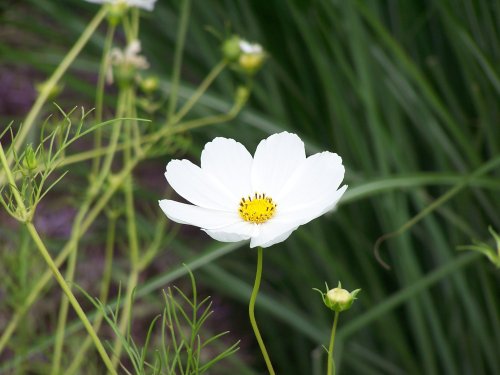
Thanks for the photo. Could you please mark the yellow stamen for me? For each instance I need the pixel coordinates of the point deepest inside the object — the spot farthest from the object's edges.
(257, 209)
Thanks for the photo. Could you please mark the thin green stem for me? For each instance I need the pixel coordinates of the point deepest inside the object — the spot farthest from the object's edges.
(197, 94)
(331, 363)
(103, 295)
(131, 232)
(251, 312)
(93, 191)
(52, 81)
(114, 185)
(54, 269)
(125, 315)
(179, 47)
(99, 96)
(72, 299)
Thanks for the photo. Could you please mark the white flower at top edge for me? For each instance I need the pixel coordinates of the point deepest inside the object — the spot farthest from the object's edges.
(143, 4)
(265, 198)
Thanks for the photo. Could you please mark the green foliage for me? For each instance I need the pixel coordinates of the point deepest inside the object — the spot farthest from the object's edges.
(184, 340)
(406, 92)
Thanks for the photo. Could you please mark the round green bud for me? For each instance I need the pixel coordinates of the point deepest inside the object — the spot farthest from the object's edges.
(231, 48)
(338, 299)
(251, 63)
(53, 90)
(149, 84)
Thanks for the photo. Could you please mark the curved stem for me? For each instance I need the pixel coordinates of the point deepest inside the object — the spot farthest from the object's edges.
(179, 47)
(52, 81)
(103, 295)
(132, 236)
(99, 96)
(72, 299)
(214, 73)
(331, 364)
(251, 312)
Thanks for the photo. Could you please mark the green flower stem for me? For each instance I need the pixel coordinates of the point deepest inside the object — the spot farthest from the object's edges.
(72, 299)
(131, 232)
(179, 47)
(214, 73)
(57, 274)
(101, 80)
(115, 183)
(103, 294)
(331, 364)
(125, 314)
(92, 192)
(134, 18)
(52, 81)
(251, 312)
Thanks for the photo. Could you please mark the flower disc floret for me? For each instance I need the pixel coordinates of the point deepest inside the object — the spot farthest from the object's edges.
(257, 209)
(228, 172)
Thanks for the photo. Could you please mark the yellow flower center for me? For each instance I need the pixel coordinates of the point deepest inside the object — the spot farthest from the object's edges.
(257, 209)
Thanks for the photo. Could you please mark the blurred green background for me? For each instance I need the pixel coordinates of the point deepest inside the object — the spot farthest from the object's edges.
(407, 92)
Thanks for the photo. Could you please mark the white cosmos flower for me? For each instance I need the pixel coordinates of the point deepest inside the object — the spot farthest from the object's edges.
(143, 4)
(265, 198)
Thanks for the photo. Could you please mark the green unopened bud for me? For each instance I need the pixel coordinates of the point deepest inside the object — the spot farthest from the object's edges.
(251, 63)
(338, 299)
(116, 12)
(252, 57)
(231, 48)
(149, 85)
(29, 160)
(53, 91)
(242, 95)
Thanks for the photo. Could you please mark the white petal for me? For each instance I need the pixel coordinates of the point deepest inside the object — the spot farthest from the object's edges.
(278, 239)
(275, 161)
(144, 4)
(199, 188)
(283, 224)
(274, 231)
(230, 163)
(201, 217)
(314, 181)
(235, 232)
(317, 207)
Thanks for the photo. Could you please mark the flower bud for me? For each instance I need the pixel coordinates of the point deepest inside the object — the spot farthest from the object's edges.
(53, 91)
(338, 299)
(252, 57)
(149, 85)
(231, 48)
(124, 64)
(29, 160)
